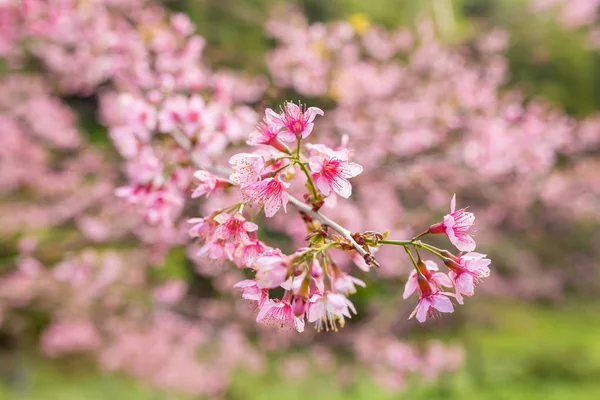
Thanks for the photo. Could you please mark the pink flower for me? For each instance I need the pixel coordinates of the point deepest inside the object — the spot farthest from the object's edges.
(172, 113)
(280, 312)
(346, 284)
(427, 269)
(295, 122)
(329, 310)
(428, 303)
(247, 252)
(251, 292)
(456, 226)
(189, 115)
(332, 172)
(467, 271)
(430, 297)
(233, 228)
(266, 133)
(208, 183)
(272, 269)
(246, 168)
(270, 193)
(203, 227)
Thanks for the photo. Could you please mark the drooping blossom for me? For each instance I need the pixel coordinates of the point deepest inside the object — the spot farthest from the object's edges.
(270, 193)
(329, 310)
(280, 312)
(248, 251)
(250, 291)
(346, 284)
(333, 171)
(295, 121)
(467, 271)
(207, 183)
(457, 226)
(202, 227)
(272, 269)
(431, 300)
(430, 271)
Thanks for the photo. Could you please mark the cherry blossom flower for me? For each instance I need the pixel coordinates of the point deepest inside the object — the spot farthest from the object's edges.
(332, 172)
(233, 228)
(269, 193)
(328, 310)
(280, 312)
(208, 183)
(266, 133)
(203, 228)
(272, 269)
(456, 226)
(346, 284)
(248, 251)
(430, 299)
(246, 168)
(295, 122)
(250, 291)
(467, 271)
(429, 270)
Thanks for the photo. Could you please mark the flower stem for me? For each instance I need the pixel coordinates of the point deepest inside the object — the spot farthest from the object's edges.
(310, 182)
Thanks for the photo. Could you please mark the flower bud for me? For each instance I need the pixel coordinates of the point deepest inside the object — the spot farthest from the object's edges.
(299, 305)
(316, 271)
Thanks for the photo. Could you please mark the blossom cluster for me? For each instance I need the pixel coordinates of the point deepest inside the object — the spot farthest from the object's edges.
(315, 288)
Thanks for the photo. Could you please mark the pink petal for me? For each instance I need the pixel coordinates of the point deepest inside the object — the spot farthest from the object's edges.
(466, 284)
(411, 285)
(422, 309)
(287, 136)
(315, 163)
(342, 187)
(442, 279)
(352, 169)
(442, 304)
(323, 186)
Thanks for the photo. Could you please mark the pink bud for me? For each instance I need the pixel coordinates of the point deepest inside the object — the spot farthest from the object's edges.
(299, 305)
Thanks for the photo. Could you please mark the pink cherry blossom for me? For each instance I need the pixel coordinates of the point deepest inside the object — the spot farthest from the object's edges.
(328, 310)
(269, 193)
(457, 226)
(272, 269)
(332, 172)
(430, 297)
(253, 293)
(430, 272)
(248, 251)
(467, 271)
(247, 168)
(429, 303)
(295, 121)
(233, 228)
(207, 183)
(280, 312)
(202, 228)
(346, 284)
(266, 133)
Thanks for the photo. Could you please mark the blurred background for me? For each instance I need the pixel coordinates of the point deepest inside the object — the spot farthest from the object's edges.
(495, 100)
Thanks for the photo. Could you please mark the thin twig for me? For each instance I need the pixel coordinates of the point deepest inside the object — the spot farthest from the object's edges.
(186, 144)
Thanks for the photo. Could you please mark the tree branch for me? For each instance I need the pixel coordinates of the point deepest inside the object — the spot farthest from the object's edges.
(186, 145)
